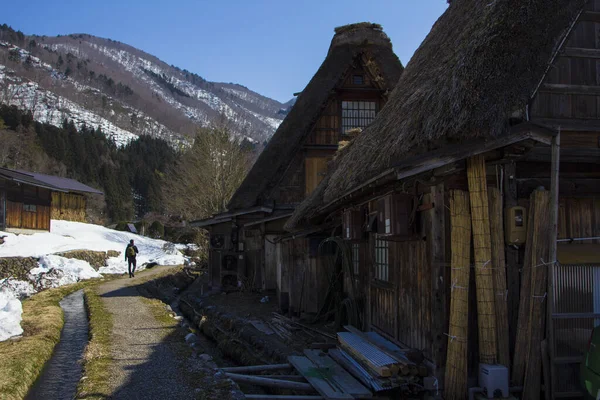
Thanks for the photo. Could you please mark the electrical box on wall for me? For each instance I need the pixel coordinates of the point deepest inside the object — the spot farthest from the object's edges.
(515, 225)
(394, 214)
(352, 222)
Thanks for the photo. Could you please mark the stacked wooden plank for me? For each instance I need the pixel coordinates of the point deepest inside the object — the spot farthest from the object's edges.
(379, 361)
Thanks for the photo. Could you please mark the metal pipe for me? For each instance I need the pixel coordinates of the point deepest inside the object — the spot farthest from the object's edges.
(570, 240)
(258, 368)
(276, 383)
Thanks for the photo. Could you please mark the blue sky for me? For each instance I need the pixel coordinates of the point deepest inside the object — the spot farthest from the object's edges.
(272, 47)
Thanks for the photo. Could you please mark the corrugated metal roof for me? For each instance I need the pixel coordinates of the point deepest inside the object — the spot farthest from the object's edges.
(47, 181)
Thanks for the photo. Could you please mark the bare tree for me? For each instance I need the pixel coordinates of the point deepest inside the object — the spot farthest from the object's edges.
(207, 175)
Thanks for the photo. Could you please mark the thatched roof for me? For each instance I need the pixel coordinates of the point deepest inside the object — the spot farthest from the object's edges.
(349, 42)
(482, 60)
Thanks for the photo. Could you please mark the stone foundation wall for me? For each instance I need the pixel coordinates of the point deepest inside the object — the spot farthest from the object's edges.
(17, 267)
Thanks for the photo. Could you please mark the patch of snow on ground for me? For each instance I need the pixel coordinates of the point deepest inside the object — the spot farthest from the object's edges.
(47, 275)
(11, 312)
(19, 289)
(66, 235)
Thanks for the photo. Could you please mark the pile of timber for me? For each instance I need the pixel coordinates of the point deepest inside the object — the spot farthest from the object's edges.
(360, 364)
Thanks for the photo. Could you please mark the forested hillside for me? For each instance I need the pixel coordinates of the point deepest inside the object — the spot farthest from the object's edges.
(130, 176)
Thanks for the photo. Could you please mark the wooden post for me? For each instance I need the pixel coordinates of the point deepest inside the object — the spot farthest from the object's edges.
(498, 260)
(554, 188)
(439, 312)
(512, 258)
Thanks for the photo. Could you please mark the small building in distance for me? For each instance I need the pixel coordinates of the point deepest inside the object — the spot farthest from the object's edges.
(29, 200)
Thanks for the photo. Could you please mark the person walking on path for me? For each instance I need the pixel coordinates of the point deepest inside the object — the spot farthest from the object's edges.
(130, 253)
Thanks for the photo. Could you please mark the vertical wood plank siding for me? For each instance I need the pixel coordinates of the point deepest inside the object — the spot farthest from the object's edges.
(402, 308)
(68, 207)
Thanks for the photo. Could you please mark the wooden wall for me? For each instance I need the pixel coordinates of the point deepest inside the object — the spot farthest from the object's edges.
(570, 95)
(307, 279)
(27, 207)
(68, 206)
(401, 308)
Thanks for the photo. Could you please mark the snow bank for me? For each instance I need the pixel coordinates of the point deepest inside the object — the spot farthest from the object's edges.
(66, 235)
(19, 289)
(10, 315)
(55, 271)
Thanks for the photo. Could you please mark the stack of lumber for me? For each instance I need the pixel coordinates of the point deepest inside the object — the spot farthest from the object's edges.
(381, 358)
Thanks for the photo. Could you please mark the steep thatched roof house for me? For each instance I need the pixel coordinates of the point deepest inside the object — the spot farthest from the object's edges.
(346, 93)
(494, 81)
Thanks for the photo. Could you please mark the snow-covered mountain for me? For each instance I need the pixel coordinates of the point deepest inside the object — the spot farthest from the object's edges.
(125, 91)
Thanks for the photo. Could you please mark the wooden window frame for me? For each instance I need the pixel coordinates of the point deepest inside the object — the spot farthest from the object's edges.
(355, 258)
(358, 121)
(32, 208)
(381, 257)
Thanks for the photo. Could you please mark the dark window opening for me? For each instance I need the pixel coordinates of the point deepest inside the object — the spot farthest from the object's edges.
(358, 80)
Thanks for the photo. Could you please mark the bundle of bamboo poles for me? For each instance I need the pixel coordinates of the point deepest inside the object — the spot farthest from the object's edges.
(484, 279)
(499, 263)
(456, 364)
(537, 304)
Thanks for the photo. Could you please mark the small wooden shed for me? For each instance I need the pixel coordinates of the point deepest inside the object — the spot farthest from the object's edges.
(28, 200)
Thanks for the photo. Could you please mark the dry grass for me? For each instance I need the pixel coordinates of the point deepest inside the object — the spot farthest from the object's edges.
(24, 358)
(97, 356)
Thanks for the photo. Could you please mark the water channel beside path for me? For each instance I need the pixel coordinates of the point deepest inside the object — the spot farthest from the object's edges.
(62, 373)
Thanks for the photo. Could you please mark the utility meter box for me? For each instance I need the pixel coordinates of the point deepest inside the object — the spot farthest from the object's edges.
(493, 379)
(515, 225)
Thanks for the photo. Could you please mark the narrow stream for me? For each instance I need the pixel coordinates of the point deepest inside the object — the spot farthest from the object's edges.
(61, 374)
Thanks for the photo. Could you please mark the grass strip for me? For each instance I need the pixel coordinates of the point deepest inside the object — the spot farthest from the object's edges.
(23, 358)
(97, 356)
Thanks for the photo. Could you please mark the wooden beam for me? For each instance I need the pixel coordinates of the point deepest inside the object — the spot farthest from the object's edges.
(590, 16)
(576, 52)
(570, 89)
(568, 187)
(574, 155)
(553, 237)
(436, 244)
(570, 124)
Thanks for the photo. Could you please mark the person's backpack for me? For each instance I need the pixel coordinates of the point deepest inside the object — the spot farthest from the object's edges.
(130, 251)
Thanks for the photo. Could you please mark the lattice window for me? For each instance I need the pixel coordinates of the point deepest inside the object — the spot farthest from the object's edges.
(356, 258)
(382, 266)
(357, 114)
(30, 207)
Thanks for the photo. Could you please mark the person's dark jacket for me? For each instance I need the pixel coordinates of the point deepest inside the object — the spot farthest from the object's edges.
(127, 248)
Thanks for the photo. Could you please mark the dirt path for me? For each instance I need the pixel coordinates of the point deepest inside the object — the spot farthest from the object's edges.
(151, 358)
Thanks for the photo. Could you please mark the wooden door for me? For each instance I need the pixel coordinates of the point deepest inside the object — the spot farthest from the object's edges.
(316, 167)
